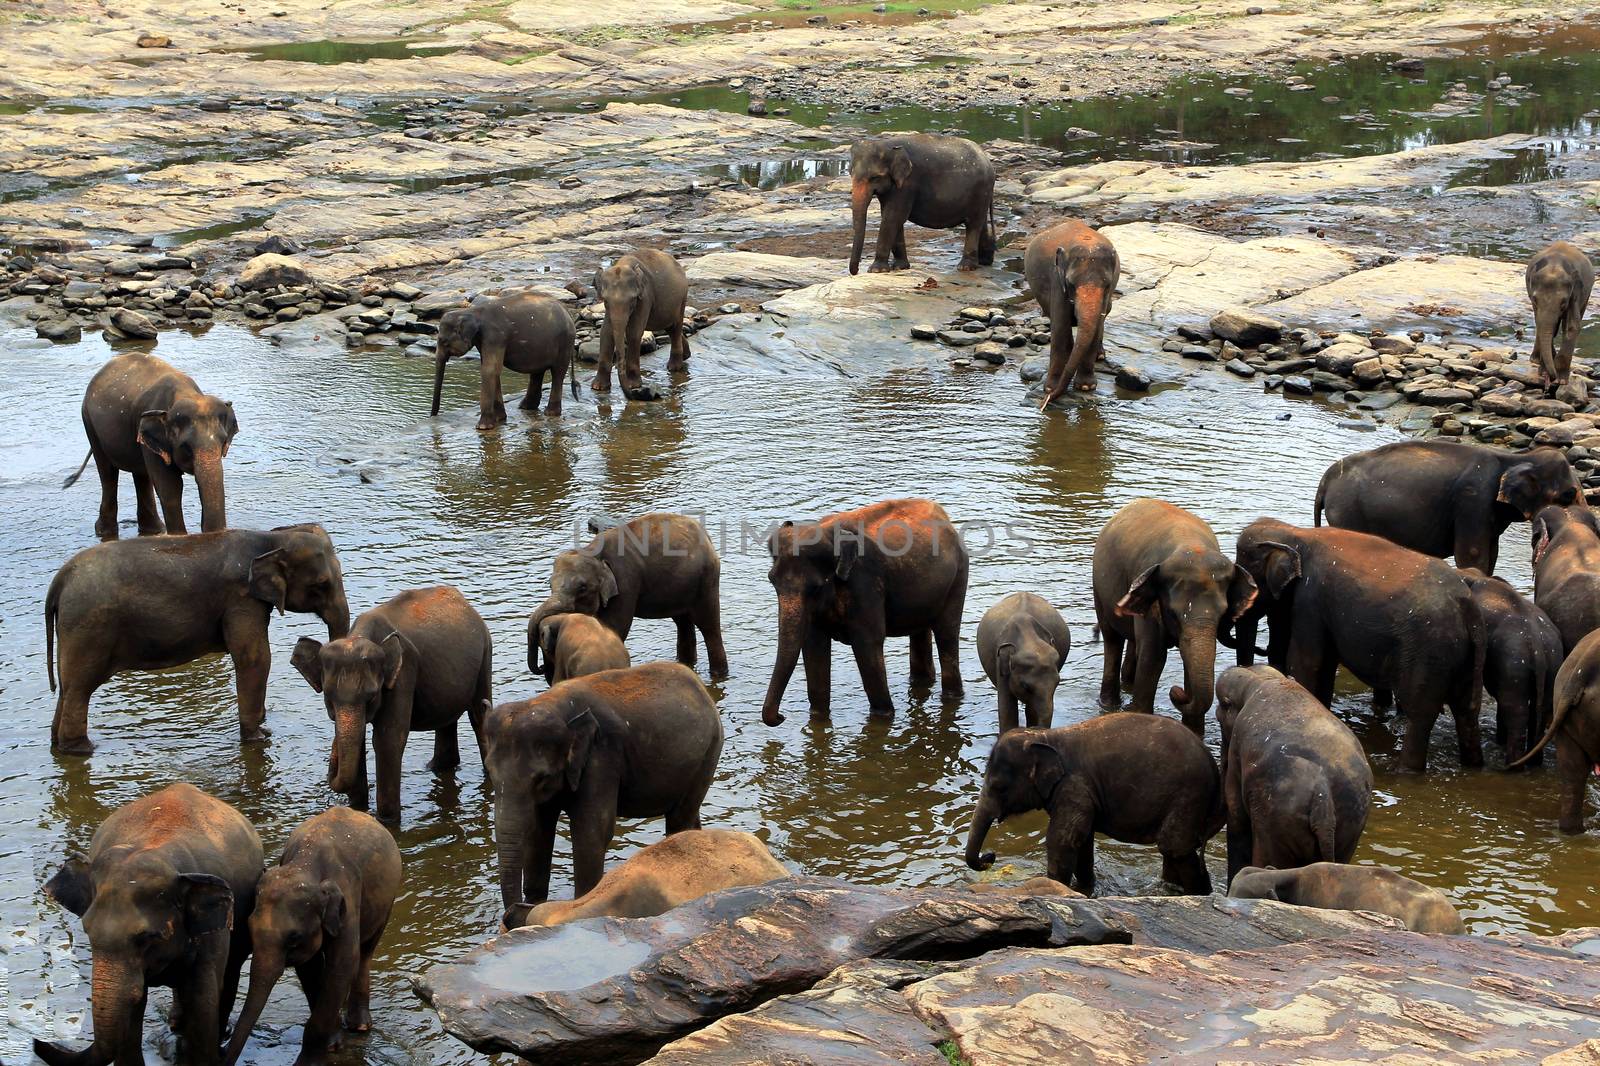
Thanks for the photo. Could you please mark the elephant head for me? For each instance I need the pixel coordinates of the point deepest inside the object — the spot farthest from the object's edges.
(1029, 666)
(352, 674)
(143, 916)
(1235, 686)
(1255, 882)
(1193, 595)
(624, 288)
(301, 573)
(294, 915)
(458, 334)
(1024, 769)
(815, 567)
(1535, 479)
(580, 582)
(534, 751)
(192, 436)
(877, 168)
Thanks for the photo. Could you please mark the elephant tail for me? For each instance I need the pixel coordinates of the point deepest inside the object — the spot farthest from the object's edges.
(52, 607)
(72, 478)
(1323, 822)
(1562, 707)
(572, 371)
(1322, 497)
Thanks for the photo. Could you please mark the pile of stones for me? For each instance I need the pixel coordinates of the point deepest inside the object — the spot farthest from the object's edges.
(993, 336)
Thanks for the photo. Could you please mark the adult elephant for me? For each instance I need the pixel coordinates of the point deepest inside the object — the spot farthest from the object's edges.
(1559, 279)
(644, 289)
(145, 416)
(658, 565)
(933, 181)
(1519, 669)
(157, 602)
(636, 743)
(527, 332)
(1444, 498)
(1400, 621)
(1566, 570)
(892, 569)
(1022, 642)
(1575, 728)
(165, 894)
(1161, 581)
(1296, 782)
(1134, 777)
(1072, 270)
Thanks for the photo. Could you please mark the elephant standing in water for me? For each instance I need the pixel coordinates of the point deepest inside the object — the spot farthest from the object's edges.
(933, 181)
(891, 569)
(527, 332)
(1161, 581)
(147, 417)
(1444, 498)
(1519, 668)
(1566, 570)
(165, 894)
(1072, 271)
(1560, 279)
(574, 645)
(645, 289)
(1575, 727)
(1022, 642)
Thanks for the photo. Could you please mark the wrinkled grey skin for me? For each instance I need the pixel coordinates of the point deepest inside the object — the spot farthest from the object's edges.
(1340, 887)
(1295, 779)
(1072, 270)
(575, 645)
(1575, 728)
(526, 332)
(145, 416)
(156, 602)
(1022, 642)
(1559, 279)
(933, 181)
(658, 565)
(1519, 669)
(166, 878)
(1566, 570)
(643, 290)
(635, 743)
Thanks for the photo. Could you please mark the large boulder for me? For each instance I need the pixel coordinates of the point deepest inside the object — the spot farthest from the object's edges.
(1247, 328)
(269, 270)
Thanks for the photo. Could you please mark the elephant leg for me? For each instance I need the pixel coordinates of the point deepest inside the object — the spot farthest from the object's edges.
(482, 700)
(816, 654)
(446, 750)
(1008, 707)
(200, 996)
(105, 524)
(85, 666)
(1111, 668)
(1573, 322)
(1188, 871)
(969, 247)
(491, 408)
(168, 485)
(558, 374)
(540, 846)
(239, 950)
(246, 641)
(874, 675)
(388, 749)
(679, 361)
(1572, 769)
(707, 618)
(1421, 711)
(891, 235)
(592, 831)
(1069, 849)
(628, 373)
(1151, 647)
(686, 646)
(685, 814)
(1130, 663)
(608, 354)
(535, 393)
(311, 980)
(1382, 699)
(145, 508)
(947, 635)
(922, 674)
(131, 1051)
(902, 261)
(1310, 663)
(322, 1028)
(358, 1006)
(1469, 738)
(1241, 846)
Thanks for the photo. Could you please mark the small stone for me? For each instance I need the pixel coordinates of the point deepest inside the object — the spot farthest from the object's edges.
(1133, 379)
(154, 40)
(1241, 368)
(1246, 328)
(133, 324)
(990, 352)
(960, 338)
(919, 332)
(733, 309)
(60, 330)
(277, 244)
(401, 290)
(1201, 352)
(269, 270)
(1297, 384)
(1034, 369)
(216, 104)
(287, 314)
(1442, 396)
(757, 108)
(1198, 334)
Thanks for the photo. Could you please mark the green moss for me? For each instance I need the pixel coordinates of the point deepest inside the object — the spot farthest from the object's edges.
(512, 61)
(952, 1053)
(894, 7)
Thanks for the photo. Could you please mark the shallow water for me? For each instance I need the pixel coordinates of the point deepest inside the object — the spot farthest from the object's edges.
(328, 53)
(343, 438)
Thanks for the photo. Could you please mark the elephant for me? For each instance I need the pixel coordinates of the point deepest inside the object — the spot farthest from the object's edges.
(1566, 570)
(409, 665)
(644, 289)
(1575, 728)
(1340, 887)
(144, 415)
(1519, 668)
(575, 645)
(164, 895)
(1560, 278)
(1072, 270)
(661, 876)
(933, 181)
(1400, 621)
(639, 743)
(527, 332)
(152, 603)
(1296, 782)
(1022, 642)
(1161, 580)
(1137, 778)
(891, 569)
(658, 565)
(322, 910)
(1444, 498)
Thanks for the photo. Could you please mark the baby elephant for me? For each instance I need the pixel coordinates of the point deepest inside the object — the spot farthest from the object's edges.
(645, 289)
(410, 665)
(1135, 777)
(1560, 279)
(1335, 886)
(526, 332)
(1519, 670)
(322, 910)
(573, 645)
(1575, 727)
(1022, 642)
(668, 873)
(1295, 779)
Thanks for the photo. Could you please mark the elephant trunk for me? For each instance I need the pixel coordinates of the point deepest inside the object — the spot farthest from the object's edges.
(1546, 316)
(860, 197)
(265, 971)
(510, 845)
(441, 356)
(336, 616)
(116, 989)
(791, 626)
(208, 479)
(1198, 649)
(550, 606)
(1087, 301)
(982, 819)
(1244, 640)
(349, 749)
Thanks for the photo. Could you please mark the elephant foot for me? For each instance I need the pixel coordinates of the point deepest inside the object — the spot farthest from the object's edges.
(1110, 701)
(643, 392)
(254, 735)
(953, 693)
(442, 766)
(677, 366)
(73, 746)
(967, 265)
(358, 1019)
(597, 385)
(879, 268)
(486, 424)
(1084, 384)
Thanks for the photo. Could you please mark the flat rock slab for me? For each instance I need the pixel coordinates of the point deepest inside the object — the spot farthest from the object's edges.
(763, 271)
(1454, 289)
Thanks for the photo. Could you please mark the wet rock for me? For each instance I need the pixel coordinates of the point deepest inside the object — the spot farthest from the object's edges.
(757, 107)
(1341, 358)
(761, 270)
(401, 290)
(437, 303)
(278, 244)
(1240, 368)
(1201, 352)
(589, 351)
(958, 338)
(1131, 378)
(80, 290)
(153, 40)
(1395, 343)
(131, 323)
(924, 332)
(1246, 328)
(1034, 369)
(270, 270)
(1298, 384)
(990, 352)
(215, 104)
(60, 330)
(1547, 407)
(1443, 395)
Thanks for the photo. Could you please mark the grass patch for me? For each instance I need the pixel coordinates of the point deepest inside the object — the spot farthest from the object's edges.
(895, 7)
(951, 1053)
(524, 57)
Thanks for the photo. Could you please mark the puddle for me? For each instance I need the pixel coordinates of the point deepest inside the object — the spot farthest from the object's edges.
(801, 14)
(329, 53)
(571, 957)
(491, 177)
(777, 173)
(212, 233)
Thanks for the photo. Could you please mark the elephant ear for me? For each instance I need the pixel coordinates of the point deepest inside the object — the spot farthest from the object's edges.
(155, 434)
(846, 554)
(71, 886)
(269, 578)
(1280, 566)
(333, 908)
(549, 637)
(307, 658)
(1003, 657)
(1061, 267)
(207, 903)
(1242, 592)
(1046, 767)
(395, 649)
(899, 166)
(230, 427)
(583, 729)
(1519, 488)
(608, 583)
(1143, 596)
